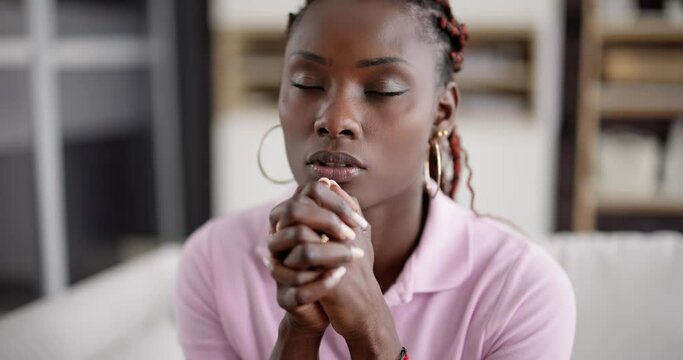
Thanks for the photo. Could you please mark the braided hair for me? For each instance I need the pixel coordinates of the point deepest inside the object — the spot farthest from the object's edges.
(442, 28)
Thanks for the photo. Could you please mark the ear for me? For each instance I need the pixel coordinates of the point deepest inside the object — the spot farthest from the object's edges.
(447, 106)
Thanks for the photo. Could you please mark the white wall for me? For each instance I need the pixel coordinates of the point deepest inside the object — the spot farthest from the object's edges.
(513, 159)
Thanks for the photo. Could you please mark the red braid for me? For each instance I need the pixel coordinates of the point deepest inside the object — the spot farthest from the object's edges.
(454, 141)
(459, 156)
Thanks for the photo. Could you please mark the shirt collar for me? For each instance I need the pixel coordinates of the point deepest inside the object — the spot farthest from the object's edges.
(442, 259)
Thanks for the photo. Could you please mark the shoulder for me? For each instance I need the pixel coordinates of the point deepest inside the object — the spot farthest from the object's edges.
(499, 248)
(531, 296)
(522, 266)
(526, 261)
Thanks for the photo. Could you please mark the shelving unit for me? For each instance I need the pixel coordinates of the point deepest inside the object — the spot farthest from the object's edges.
(501, 64)
(629, 72)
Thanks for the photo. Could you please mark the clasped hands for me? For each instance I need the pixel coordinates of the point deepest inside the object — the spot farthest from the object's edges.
(321, 257)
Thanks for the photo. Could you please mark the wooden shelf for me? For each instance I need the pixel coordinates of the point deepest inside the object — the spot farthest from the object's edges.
(482, 33)
(643, 64)
(512, 85)
(642, 31)
(655, 206)
(635, 101)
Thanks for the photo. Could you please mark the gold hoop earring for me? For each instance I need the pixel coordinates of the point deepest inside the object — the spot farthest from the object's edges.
(434, 142)
(260, 163)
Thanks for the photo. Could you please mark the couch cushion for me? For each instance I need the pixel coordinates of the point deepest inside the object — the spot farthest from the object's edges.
(91, 316)
(156, 340)
(629, 292)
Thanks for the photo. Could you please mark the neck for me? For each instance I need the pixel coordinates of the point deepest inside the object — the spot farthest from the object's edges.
(396, 228)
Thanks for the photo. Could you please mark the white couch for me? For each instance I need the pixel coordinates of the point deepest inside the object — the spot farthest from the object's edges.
(629, 290)
(123, 313)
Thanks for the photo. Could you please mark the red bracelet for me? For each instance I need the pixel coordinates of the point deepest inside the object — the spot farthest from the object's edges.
(404, 354)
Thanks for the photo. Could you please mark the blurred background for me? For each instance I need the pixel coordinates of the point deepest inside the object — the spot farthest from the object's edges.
(126, 124)
(104, 136)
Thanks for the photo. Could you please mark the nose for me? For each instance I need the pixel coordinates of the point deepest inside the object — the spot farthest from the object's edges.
(338, 119)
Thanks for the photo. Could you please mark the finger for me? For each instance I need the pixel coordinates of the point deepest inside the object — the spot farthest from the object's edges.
(291, 297)
(287, 238)
(279, 209)
(286, 276)
(274, 216)
(321, 194)
(352, 201)
(304, 256)
(315, 217)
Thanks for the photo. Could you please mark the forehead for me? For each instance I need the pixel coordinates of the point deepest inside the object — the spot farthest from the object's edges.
(359, 29)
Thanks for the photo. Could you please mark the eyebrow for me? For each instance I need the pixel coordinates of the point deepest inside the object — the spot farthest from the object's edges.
(307, 55)
(380, 61)
(313, 57)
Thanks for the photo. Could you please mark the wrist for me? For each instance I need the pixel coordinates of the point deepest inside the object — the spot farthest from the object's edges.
(291, 328)
(382, 345)
(294, 342)
(378, 340)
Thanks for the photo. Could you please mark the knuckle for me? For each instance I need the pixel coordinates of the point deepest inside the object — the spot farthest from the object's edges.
(287, 297)
(307, 253)
(301, 296)
(296, 213)
(272, 240)
(342, 207)
(292, 213)
(281, 292)
(311, 193)
(298, 232)
(274, 216)
(290, 206)
(300, 278)
(299, 195)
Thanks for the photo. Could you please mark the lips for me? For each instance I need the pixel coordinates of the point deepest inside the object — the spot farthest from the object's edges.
(334, 159)
(338, 166)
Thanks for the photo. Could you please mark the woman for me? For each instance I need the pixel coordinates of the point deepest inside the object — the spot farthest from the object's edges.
(370, 259)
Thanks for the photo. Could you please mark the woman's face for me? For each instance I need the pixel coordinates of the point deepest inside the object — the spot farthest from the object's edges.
(358, 99)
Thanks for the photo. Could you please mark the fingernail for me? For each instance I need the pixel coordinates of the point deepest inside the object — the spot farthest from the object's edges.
(357, 253)
(268, 262)
(348, 232)
(335, 276)
(325, 181)
(359, 220)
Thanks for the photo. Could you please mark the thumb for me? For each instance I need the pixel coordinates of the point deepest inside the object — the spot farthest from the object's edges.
(352, 201)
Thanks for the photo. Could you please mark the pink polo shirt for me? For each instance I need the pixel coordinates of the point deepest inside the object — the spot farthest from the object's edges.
(472, 289)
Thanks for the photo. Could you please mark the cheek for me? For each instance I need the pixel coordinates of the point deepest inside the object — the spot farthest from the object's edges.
(297, 119)
(296, 115)
(402, 138)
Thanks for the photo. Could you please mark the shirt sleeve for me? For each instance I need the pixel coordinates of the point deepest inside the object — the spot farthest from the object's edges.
(535, 316)
(200, 333)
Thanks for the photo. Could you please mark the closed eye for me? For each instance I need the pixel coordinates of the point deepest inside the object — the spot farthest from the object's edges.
(307, 87)
(388, 93)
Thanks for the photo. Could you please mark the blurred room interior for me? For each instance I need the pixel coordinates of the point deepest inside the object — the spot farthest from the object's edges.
(126, 124)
